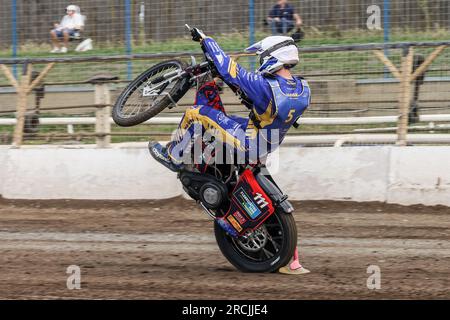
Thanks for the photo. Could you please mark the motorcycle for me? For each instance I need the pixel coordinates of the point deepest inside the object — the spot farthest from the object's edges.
(253, 222)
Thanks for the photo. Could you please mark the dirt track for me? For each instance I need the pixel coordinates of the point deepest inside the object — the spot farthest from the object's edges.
(163, 250)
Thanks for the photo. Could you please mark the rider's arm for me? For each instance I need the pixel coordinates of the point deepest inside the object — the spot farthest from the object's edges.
(252, 84)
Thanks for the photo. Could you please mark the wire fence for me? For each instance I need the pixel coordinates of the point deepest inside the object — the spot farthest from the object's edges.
(345, 83)
(111, 23)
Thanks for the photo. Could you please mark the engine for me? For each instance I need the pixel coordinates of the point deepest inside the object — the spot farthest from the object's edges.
(212, 192)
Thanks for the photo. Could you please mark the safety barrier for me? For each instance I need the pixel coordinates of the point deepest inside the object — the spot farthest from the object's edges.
(413, 175)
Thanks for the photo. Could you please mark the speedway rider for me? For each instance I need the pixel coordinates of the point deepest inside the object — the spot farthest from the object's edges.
(276, 100)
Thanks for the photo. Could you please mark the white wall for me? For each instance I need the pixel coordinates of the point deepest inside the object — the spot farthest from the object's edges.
(85, 174)
(419, 175)
(3, 154)
(357, 174)
(408, 175)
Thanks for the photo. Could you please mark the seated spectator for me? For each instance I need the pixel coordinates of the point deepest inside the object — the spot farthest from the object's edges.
(282, 18)
(71, 24)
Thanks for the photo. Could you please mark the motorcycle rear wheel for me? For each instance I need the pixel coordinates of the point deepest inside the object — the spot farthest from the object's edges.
(133, 108)
(276, 253)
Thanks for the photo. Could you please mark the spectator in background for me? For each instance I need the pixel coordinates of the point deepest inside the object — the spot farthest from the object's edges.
(282, 18)
(70, 24)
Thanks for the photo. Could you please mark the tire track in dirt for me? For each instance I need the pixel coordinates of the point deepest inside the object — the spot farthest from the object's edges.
(166, 250)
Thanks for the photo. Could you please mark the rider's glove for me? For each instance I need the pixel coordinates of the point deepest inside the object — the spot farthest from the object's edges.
(197, 34)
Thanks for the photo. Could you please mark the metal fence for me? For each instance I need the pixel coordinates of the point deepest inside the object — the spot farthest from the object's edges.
(114, 22)
(348, 78)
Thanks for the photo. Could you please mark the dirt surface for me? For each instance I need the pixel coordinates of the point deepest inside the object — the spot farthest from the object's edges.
(166, 250)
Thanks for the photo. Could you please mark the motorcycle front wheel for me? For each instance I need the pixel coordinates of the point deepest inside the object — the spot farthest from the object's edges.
(267, 249)
(150, 93)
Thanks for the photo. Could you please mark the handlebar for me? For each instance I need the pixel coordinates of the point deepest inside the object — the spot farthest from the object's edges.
(190, 29)
(197, 34)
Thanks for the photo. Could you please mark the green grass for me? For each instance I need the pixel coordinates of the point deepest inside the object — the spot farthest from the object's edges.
(312, 63)
(238, 41)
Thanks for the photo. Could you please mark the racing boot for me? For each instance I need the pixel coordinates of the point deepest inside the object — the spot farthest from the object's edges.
(160, 154)
(294, 267)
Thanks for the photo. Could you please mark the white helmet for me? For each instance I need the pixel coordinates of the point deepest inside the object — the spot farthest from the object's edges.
(72, 8)
(275, 52)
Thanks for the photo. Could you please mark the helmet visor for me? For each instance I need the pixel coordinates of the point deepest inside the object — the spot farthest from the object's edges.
(255, 48)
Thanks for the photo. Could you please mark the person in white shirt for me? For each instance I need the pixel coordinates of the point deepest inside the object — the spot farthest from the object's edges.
(70, 24)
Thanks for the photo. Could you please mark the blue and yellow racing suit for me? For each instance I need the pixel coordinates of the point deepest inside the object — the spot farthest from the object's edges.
(276, 104)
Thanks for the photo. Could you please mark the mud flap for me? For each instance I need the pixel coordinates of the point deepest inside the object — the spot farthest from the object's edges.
(274, 193)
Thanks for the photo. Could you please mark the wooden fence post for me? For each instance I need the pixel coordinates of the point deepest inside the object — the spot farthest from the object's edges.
(23, 88)
(405, 96)
(102, 124)
(22, 93)
(406, 77)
